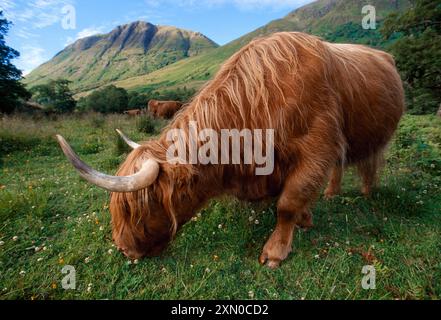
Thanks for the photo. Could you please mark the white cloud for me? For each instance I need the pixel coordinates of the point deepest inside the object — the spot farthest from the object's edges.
(32, 57)
(87, 32)
(241, 4)
(24, 33)
(6, 5)
(276, 4)
(36, 14)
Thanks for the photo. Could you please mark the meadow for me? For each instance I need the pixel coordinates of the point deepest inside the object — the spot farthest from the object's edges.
(50, 218)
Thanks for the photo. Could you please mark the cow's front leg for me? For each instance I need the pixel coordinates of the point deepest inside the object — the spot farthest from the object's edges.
(279, 245)
(293, 211)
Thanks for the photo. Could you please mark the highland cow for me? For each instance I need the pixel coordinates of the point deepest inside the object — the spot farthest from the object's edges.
(330, 106)
(134, 112)
(164, 109)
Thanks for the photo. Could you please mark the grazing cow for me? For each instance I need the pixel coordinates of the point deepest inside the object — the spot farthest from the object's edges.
(134, 112)
(164, 109)
(330, 105)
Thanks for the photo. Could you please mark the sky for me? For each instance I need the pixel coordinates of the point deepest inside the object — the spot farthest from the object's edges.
(42, 28)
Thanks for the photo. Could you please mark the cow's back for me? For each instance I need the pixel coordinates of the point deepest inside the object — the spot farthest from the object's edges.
(371, 96)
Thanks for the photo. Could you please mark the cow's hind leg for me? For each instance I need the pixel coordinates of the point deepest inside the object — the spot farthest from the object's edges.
(302, 187)
(334, 185)
(368, 171)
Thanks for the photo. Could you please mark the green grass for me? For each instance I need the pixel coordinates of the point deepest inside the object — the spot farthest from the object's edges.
(46, 205)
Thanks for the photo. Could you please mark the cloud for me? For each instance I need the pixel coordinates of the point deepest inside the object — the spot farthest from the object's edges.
(87, 32)
(25, 33)
(7, 5)
(36, 14)
(241, 4)
(32, 57)
(276, 4)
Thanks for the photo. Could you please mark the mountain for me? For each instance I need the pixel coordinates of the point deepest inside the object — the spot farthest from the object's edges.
(334, 20)
(130, 50)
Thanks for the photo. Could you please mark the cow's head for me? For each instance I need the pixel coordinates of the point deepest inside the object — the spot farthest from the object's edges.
(154, 107)
(143, 216)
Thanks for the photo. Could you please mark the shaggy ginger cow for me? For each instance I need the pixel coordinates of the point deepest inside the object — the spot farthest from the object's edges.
(134, 112)
(164, 109)
(331, 106)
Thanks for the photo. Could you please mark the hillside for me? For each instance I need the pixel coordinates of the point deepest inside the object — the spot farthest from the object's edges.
(130, 50)
(334, 20)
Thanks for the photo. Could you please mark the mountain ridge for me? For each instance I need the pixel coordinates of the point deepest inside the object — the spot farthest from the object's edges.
(128, 50)
(333, 20)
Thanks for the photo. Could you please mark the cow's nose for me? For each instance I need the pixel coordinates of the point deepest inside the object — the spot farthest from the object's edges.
(122, 250)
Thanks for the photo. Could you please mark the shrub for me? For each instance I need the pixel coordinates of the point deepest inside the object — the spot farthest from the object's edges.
(98, 121)
(55, 96)
(120, 146)
(106, 100)
(146, 124)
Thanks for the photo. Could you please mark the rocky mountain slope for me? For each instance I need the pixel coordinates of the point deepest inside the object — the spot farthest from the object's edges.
(130, 50)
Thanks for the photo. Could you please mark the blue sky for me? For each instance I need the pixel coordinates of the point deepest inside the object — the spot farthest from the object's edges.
(39, 29)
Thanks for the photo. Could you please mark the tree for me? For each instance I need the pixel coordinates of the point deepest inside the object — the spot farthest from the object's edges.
(11, 89)
(110, 99)
(138, 100)
(418, 53)
(54, 96)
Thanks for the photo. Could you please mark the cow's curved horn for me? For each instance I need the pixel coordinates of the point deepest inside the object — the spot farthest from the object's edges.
(131, 143)
(140, 180)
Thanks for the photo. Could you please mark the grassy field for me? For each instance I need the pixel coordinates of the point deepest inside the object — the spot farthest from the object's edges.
(50, 218)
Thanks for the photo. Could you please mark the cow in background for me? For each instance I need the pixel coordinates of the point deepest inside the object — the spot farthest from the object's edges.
(134, 112)
(164, 109)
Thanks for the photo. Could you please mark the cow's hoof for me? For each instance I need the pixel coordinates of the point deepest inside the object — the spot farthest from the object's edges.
(270, 263)
(330, 194)
(306, 222)
(366, 191)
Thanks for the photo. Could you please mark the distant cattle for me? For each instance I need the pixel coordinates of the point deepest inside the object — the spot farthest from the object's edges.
(164, 109)
(134, 112)
(33, 105)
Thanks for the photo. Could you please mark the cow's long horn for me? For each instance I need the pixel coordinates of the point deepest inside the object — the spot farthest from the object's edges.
(131, 143)
(140, 180)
